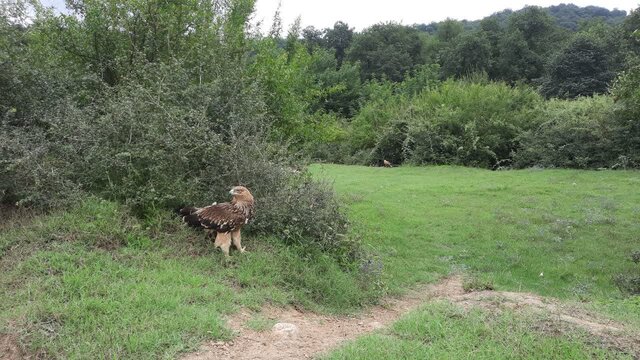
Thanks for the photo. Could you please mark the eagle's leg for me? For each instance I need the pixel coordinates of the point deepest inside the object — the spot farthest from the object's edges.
(235, 236)
(223, 240)
(219, 239)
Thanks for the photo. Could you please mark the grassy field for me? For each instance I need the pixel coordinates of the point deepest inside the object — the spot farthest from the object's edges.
(444, 331)
(96, 282)
(561, 233)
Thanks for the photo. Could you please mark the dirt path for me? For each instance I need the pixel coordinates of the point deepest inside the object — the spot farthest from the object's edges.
(316, 334)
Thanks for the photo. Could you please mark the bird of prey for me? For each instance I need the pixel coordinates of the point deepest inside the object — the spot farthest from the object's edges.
(226, 219)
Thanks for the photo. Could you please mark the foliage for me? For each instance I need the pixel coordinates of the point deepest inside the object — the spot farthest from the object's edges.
(390, 145)
(383, 101)
(468, 123)
(573, 134)
(580, 69)
(626, 93)
(469, 53)
(337, 88)
(339, 38)
(156, 123)
(387, 51)
(570, 16)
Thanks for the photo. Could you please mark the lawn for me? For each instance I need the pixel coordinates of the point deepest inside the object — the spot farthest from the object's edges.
(560, 233)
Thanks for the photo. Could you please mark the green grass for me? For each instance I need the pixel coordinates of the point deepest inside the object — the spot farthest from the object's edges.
(95, 282)
(576, 228)
(444, 331)
(260, 323)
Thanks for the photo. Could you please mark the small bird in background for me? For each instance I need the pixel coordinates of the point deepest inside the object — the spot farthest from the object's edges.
(387, 163)
(226, 219)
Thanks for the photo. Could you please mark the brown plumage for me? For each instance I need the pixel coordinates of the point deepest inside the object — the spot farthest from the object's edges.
(226, 219)
(387, 163)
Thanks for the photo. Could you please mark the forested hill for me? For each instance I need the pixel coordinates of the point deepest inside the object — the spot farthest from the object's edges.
(568, 16)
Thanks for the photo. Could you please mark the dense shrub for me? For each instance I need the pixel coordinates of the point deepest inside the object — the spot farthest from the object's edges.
(386, 102)
(169, 130)
(575, 134)
(469, 123)
(626, 94)
(588, 132)
(390, 145)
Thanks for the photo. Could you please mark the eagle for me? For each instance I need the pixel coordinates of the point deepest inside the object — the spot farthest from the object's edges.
(226, 219)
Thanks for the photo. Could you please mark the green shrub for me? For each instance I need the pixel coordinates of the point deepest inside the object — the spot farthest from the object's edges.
(390, 145)
(174, 120)
(465, 123)
(626, 94)
(573, 133)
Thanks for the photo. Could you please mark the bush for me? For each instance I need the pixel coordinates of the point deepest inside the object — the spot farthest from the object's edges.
(626, 94)
(156, 105)
(468, 123)
(390, 145)
(573, 134)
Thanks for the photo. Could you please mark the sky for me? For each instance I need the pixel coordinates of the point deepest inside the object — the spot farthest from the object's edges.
(360, 14)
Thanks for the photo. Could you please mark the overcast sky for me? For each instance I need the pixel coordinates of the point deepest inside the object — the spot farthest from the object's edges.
(363, 13)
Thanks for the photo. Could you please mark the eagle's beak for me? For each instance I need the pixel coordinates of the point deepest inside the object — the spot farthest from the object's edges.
(231, 192)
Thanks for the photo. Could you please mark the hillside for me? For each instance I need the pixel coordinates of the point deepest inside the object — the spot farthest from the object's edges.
(568, 16)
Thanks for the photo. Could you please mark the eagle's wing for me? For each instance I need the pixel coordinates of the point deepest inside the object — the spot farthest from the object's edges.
(221, 217)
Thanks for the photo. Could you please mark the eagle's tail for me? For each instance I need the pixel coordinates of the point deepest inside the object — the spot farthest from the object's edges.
(189, 216)
(187, 210)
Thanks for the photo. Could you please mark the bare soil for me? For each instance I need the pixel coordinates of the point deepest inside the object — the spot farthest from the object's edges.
(9, 348)
(317, 334)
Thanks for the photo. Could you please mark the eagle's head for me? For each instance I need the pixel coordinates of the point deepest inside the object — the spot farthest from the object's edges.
(241, 194)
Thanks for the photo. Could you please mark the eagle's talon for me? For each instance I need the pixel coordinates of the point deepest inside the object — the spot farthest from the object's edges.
(242, 250)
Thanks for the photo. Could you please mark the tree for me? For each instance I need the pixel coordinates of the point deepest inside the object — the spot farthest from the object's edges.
(579, 69)
(449, 30)
(339, 38)
(517, 61)
(387, 50)
(631, 31)
(292, 41)
(313, 38)
(536, 26)
(470, 52)
(530, 37)
(337, 90)
(491, 29)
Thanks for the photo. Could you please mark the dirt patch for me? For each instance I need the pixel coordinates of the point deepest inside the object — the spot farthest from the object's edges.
(316, 334)
(9, 348)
